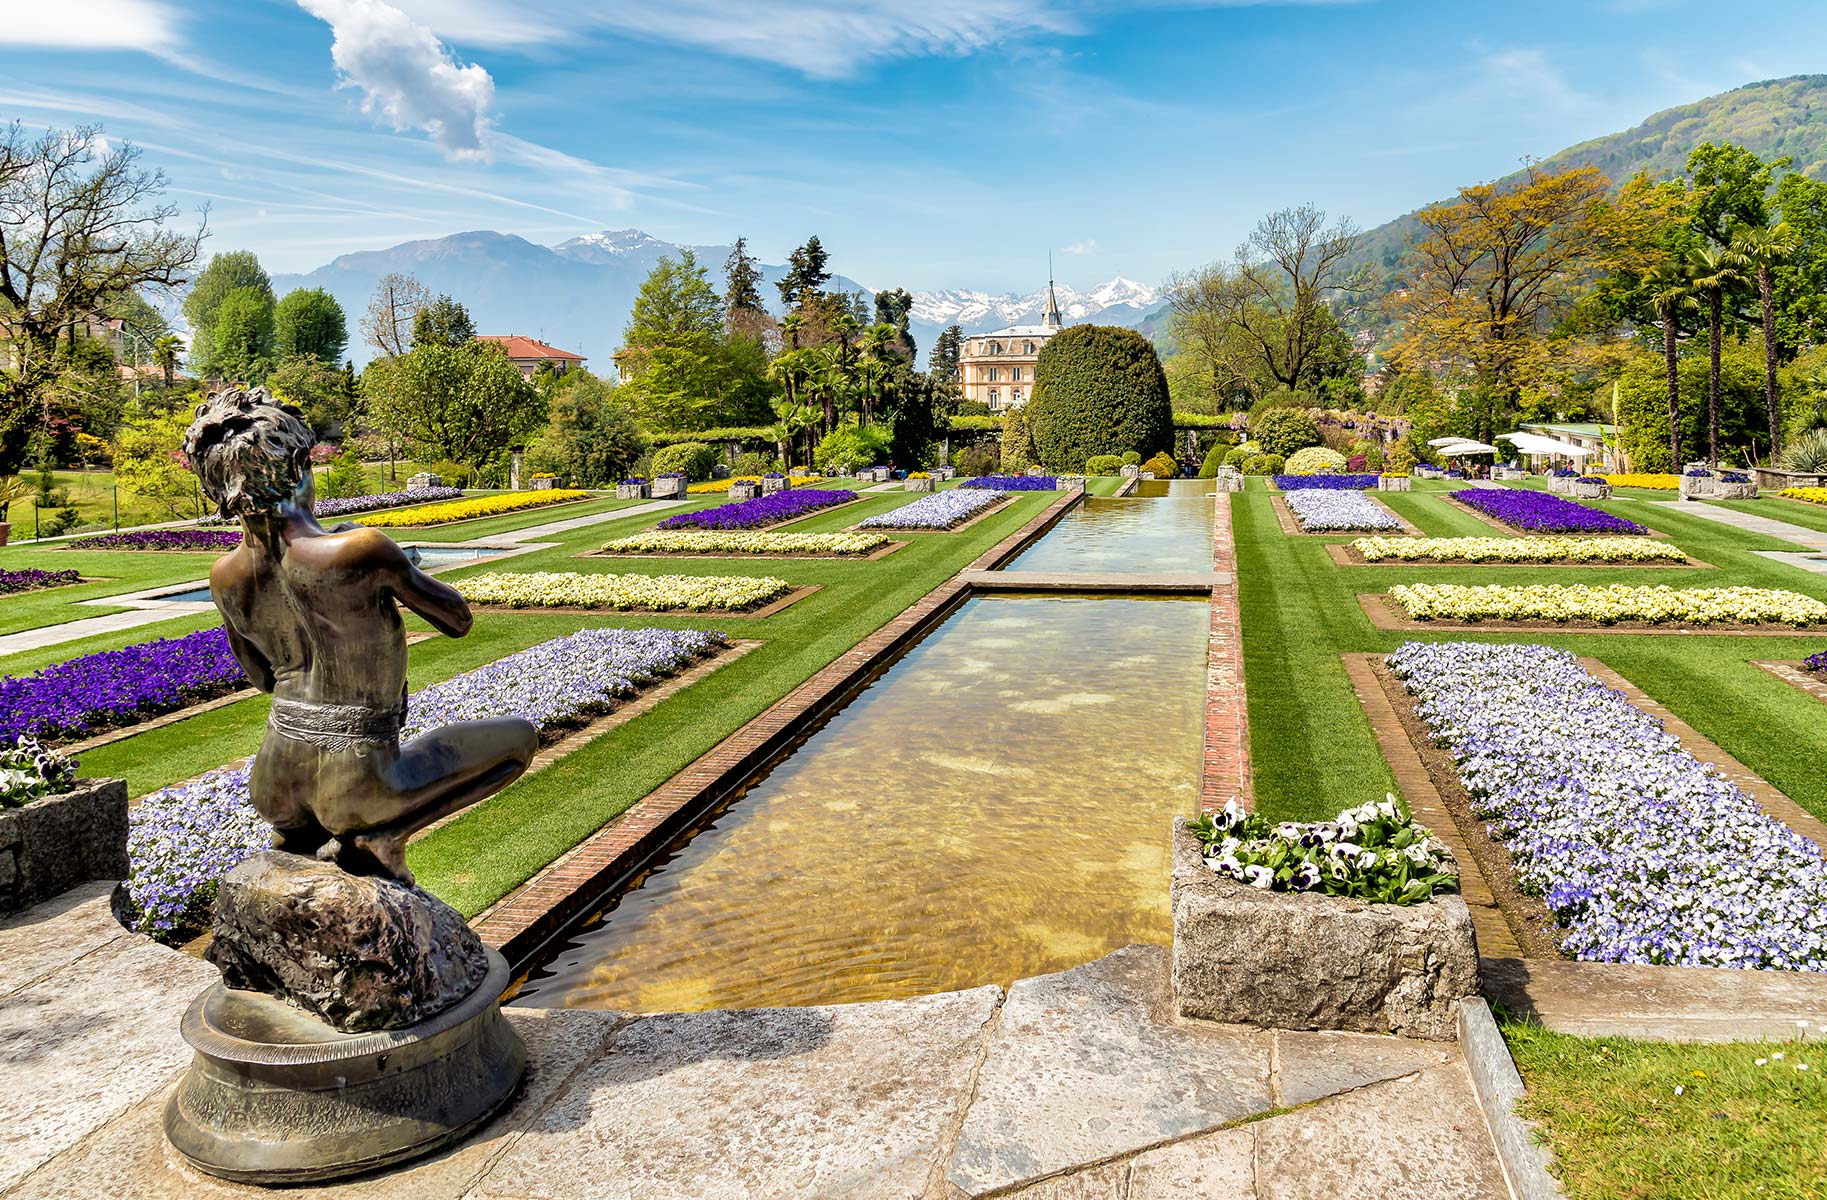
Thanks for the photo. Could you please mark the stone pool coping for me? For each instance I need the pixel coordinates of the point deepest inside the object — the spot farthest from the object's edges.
(528, 918)
(1591, 999)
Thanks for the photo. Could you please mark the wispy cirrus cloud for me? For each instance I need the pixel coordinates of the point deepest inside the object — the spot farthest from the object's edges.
(91, 25)
(407, 77)
(1088, 246)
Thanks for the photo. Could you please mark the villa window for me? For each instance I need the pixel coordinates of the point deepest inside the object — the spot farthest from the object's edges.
(1027, 347)
(994, 375)
(995, 347)
(1015, 374)
(994, 397)
(1015, 396)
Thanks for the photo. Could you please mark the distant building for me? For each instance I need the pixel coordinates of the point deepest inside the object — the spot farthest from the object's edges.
(997, 368)
(527, 353)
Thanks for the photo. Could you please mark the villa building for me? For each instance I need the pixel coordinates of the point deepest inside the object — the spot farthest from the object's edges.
(997, 368)
(527, 353)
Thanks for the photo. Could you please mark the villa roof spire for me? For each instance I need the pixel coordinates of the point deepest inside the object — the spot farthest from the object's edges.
(1051, 319)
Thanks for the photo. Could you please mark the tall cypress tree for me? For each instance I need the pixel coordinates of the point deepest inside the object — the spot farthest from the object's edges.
(742, 286)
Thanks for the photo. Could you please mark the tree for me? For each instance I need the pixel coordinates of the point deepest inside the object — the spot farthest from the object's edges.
(79, 224)
(165, 353)
(225, 274)
(806, 273)
(1497, 270)
(1642, 405)
(309, 321)
(241, 344)
(1762, 250)
(442, 322)
(148, 462)
(1271, 302)
(1731, 189)
(1098, 389)
(893, 308)
(387, 325)
(677, 367)
(1671, 289)
(942, 363)
(320, 389)
(465, 402)
(1716, 271)
(594, 436)
(743, 311)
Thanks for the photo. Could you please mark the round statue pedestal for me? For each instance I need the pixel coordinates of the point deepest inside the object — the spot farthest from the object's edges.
(278, 1096)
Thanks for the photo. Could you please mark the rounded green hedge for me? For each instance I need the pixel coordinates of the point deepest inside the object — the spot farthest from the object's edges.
(693, 460)
(1098, 389)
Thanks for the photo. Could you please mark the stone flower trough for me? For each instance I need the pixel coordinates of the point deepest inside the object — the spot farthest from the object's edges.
(54, 843)
(1299, 960)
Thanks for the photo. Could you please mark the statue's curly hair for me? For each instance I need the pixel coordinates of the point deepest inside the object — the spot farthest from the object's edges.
(249, 450)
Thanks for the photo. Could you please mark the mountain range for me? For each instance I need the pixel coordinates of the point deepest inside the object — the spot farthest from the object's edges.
(577, 294)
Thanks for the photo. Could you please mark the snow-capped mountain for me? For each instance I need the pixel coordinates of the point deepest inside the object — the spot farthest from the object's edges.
(577, 294)
(979, 312)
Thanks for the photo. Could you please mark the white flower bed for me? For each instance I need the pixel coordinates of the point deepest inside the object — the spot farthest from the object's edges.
(740, 541)
(1607, 604)
(941, 510)
(1519, 549)
(1642, 853)
(569, 589)
(1326, 510)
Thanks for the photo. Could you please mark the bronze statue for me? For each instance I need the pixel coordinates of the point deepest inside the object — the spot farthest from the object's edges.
(311, 615)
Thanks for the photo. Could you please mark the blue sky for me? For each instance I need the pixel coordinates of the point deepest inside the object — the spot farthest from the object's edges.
(930, 143)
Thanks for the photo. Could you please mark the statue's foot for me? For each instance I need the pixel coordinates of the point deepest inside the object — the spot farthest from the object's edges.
(375, 853)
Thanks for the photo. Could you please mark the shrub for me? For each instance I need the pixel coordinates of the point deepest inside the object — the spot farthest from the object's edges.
(1098, 387)
(1263, 464)
(1017, 445)
(693, 460)
(1216, 457)
(851, 448)
(344, 478)
(1132, 458)
(1400, 460)
(1315, 460)
(1103, 464)
(1809, 454)
(1162, 466)
(1284, 430)
(976, 460)
(752, 463)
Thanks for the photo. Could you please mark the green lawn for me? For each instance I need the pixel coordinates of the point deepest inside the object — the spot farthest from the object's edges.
(1311, 747)
(1609, 1110)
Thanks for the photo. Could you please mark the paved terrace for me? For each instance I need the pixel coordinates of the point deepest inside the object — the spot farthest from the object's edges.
(1071, 1085)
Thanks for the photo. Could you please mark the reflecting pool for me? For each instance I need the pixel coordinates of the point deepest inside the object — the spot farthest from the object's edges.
(1166, 526)
(995, 805)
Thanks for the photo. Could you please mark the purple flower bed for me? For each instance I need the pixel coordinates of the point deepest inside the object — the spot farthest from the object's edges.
(1538, 512)
(1816, 662)
(762, 510)
(161, 539)
(1014, 483)
(1641, 852)
(1336, 483)
(118, 687)
(31, 579)
(941, 510)
(182, 840)
(355, 504)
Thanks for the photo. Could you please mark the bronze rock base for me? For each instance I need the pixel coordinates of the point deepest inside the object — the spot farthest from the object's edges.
(277, 1096)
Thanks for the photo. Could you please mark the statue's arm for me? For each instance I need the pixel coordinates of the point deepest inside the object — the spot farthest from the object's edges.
(439, 603)
(259, 670)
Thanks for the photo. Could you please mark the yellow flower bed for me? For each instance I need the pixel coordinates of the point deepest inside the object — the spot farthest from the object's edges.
(465, 510)
(1518, 549)
(1658, 482)
(571, 589)
(716, 487)
(1811, 495)
(1607, 604)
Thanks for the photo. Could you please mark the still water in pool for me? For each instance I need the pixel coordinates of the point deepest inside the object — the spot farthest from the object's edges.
(995, 806)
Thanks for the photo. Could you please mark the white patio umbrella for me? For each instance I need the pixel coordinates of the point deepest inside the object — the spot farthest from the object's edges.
(1448, 441)
(1535, 443)
(1454, 451)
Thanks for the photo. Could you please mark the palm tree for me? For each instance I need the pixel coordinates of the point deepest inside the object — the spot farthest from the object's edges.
(1671, 290)
(165, 356)
(1716, 272)
(1764, 249)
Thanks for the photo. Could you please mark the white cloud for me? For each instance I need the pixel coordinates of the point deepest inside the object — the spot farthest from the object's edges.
(90, 25)
(1527, 76)
(406, 76)
(1088, 246)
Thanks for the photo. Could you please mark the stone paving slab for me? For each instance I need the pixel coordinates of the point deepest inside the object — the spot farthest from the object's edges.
(1089, 1064)
(1677, 1004)
(1786, 531)
(852, 1101)
(52, 935)
(1313, 1066)
(130, 1157)
(82, 1046)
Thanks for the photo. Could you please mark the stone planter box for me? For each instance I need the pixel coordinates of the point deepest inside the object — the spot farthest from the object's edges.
(57, 842)
(1036, 471)
(1228, 483)
(1508, 473)
(425, 479)
(542, 485)
(1560, 485)
(743, 491)
(1590, 491)
(668, 489)
(1297, 960)
(799, 472)
(1071, 483)
(777, 484)
(1691, 487)
(917, 485)
(632, 491)
(1721, 489)
(943, 473)
(1395, 483)
(1129, 471)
